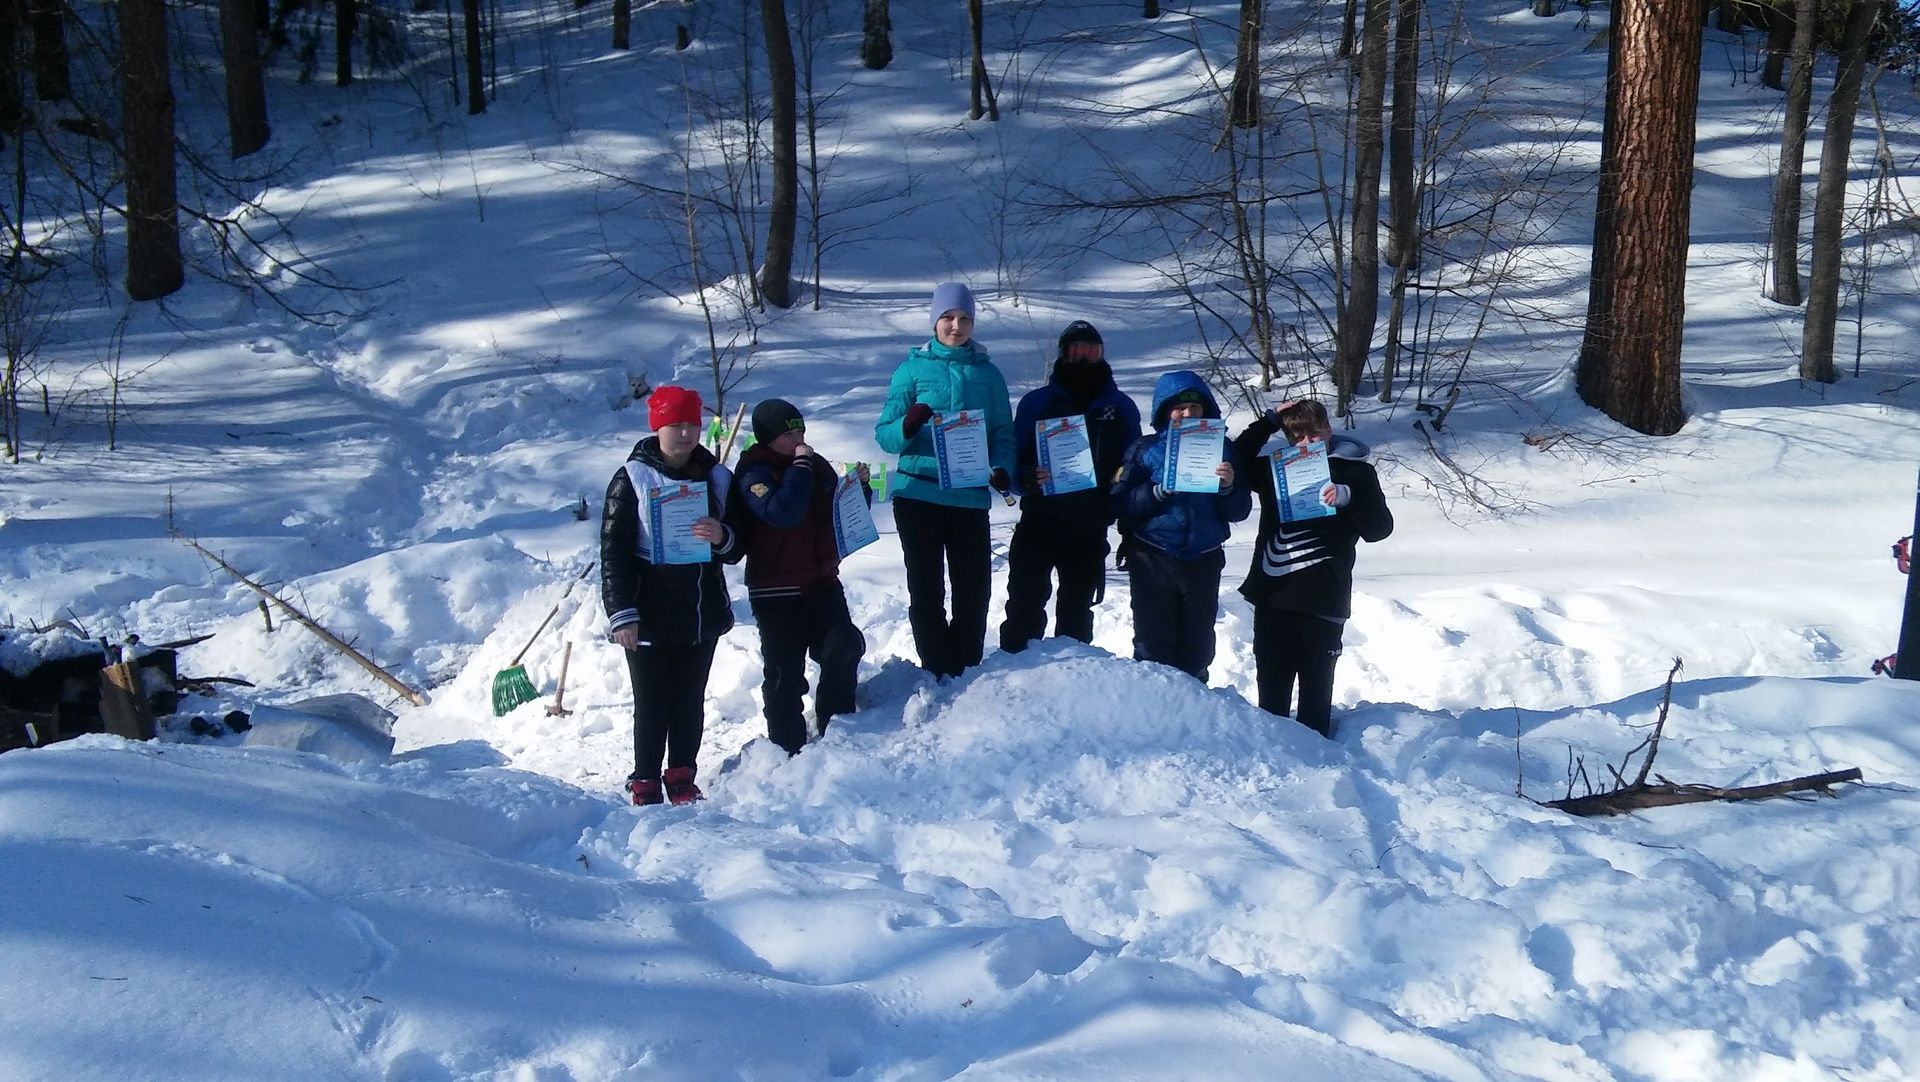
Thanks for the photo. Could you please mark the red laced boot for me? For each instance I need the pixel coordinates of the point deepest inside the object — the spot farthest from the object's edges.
(645, 790)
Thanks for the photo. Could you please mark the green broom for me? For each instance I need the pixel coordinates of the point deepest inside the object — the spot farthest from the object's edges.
(511, 687)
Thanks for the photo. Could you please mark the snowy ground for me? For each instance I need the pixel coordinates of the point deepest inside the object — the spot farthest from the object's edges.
(1065, 865)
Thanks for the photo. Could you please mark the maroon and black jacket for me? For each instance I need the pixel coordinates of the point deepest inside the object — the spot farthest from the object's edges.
(788, 504)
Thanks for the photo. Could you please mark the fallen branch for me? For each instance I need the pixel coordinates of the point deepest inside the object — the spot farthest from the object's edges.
(385, 677)
(1621, 801)
(1626, 796)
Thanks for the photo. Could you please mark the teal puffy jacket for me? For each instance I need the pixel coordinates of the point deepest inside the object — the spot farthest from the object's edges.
(948, 379)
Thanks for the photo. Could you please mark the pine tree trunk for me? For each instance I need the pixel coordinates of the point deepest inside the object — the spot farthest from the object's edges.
(51, 81)
(1829, 199)
(776, 271)
(1785, 233)
(1243, 100)
(1636, 305)
(876, 35)
(1363, 277)
(247, 129)
(154, 267)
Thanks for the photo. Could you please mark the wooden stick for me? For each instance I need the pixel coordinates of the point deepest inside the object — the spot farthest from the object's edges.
(1620, 801)
(733, 431)
(559, 707)
(328, 637)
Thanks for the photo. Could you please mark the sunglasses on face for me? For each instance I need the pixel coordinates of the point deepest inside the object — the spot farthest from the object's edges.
(1085, 351)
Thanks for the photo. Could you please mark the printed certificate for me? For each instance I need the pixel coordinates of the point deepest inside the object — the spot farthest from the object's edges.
(1195, 448)
(1061, 448)
(1299, 473)
(960, 445)
(853, 527)
(667, 515)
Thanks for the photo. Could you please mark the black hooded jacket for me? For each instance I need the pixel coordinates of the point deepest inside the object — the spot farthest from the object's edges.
(673, 604)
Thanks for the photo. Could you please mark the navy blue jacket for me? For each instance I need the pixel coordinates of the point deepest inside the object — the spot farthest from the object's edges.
(1113, 423)
(789, 540)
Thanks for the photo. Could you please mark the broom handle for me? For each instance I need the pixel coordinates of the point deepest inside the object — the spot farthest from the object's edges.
(551, 613)
(560, 693)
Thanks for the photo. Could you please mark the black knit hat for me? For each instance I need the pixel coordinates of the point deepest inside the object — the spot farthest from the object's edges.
(1079, 331)
(774, 418)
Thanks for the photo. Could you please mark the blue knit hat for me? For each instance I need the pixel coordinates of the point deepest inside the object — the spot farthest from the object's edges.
(948, 296)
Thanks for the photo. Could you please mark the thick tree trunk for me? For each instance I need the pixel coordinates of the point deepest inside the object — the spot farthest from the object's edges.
(876, 35)
(51, 81)
(154, 267)
(1243, 100)
(776, 271)
(1363, 277)
(1780, 32)
(1829, 199)
(623, 24)
(1636, 304)
(247, 129)
(1403, 247)
(1785, 234)
(476, 78)
(343, 20)
(13, 96)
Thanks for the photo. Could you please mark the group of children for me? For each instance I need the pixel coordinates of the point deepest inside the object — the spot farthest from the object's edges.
(777, 515)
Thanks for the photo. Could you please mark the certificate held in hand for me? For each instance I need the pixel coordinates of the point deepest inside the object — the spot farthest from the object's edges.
(1195, 448)
(1299, 474)
(667, 515)
(960, 446)
(853, 527)
(1061, 448)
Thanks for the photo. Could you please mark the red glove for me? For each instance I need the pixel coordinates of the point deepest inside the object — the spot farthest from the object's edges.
(1000, 482)
(917, 417)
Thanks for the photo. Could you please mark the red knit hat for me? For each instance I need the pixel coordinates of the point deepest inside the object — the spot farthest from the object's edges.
(670, 405)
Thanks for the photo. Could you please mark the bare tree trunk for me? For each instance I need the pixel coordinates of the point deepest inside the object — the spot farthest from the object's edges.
(1150, 9)
(1243, 99)
(1785, 234)
(1781, 28)
(50, 60)
(154, 267)
(1403, 246)
(476, 80)
(1363, 276)
(981, 88)
(1347, 21)
(623, 24)
(776, 273)
(344, 14)
(1636, 303)
(1829, 199)
(876, 35)
(247, 129)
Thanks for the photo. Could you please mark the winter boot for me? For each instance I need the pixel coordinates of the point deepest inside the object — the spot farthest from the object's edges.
(645, 790)
(680, 786)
